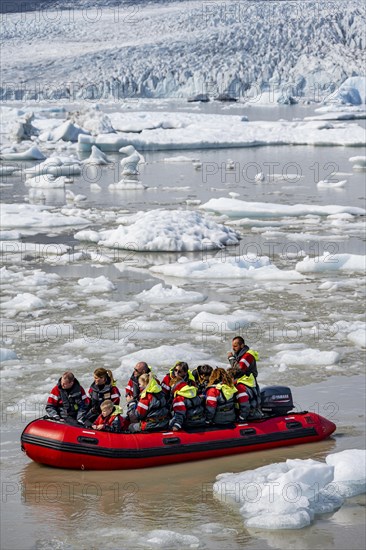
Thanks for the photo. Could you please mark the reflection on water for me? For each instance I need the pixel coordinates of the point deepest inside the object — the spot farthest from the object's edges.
(144, 499)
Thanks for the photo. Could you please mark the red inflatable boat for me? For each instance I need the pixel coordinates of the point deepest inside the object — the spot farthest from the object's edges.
(64, 446)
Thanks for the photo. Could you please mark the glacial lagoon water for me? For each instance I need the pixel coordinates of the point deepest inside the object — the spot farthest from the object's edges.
(68, 510)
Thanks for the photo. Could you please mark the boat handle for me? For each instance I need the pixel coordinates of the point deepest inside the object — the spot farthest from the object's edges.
(295, 424)
(91, 440)
(248, 431)
(171, 440)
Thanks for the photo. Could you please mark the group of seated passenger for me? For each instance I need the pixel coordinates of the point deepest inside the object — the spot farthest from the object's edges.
(68, 400)
(184, 398)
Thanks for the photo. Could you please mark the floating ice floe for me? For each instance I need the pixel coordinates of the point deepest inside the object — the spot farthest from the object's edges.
(331, 184)
(97, 157)
(288, 495)
(96, 122)
(307, 356)
(67, 131)
(56, 166)
(104, 142)
(86, 142)
(7, 355)
(259, 268)
(349, 472)
(127, 184)
(211, 307)
(164, 295)
(359, 162)
(352, 113)
(23, 302)
(129, 150)
(332, 262)
(259, 177)
(95, 188)
(46, 181)
(82, 256)
(163, 538)
(192, 202)
(99, 284)
(193, 131)
(34, 251)
(72, 198)
(354, 331)
(197, 165)
(170, 231)
(209, 322)
(358, 337)
(32, 216)
(129, 164)
(37, 277)
(8, 170)
(114, 310)
(179, 158)
(10, 235)
(236, 208)
(33, 153)
(23, 128)
(87, 235)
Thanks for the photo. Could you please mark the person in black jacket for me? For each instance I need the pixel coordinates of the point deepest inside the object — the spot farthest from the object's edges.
(104, 387)
(202, 375)
(67, 400)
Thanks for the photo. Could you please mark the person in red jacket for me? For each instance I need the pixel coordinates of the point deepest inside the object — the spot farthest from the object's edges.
(185, 374)
(151, 411)
(188, 409)
(110, 419)
(243, 362)
(67, 401)
(243, 357)
(220, 398)
(242, 398)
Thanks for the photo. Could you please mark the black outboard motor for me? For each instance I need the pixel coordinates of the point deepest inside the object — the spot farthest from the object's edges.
(276, 400)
